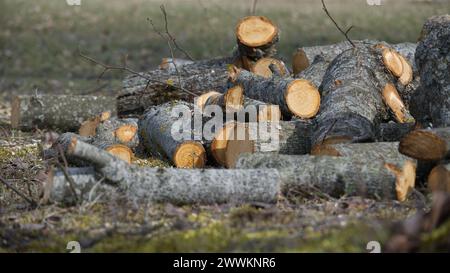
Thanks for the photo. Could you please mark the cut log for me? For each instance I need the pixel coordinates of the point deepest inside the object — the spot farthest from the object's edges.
(427, 144)
(315, 72)
(87, 185)
(138, 94)
(264, 111)
(352, 97)
(119, 150)
(384, 151)
(439, 178)
(229, 142)
(396, 105)
(230, 101)
(391, 131)
(262, 67)
(337, 176)
(288, 137)
(61, 145)
(155, 131)
(307, 54)
(294, 96)
(256, 37)
(119, 131)
(179, 186)
(432, 59)
(173, 64)
(64, 113)
(89, 127)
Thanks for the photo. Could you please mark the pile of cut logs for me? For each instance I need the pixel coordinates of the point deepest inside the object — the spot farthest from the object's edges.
(365, 118)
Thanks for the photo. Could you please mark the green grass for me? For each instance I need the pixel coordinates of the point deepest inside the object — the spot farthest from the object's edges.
(40, 39)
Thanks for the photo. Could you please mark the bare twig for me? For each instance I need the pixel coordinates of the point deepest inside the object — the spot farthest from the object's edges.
(19, 193)
(65, 172)
(131, 71)
(169, 44)
(345, 33)
(166, 26)
(253, 9)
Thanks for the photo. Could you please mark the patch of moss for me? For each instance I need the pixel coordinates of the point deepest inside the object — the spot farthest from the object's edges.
(7, 153)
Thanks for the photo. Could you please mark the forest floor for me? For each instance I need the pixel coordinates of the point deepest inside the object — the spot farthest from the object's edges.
(39, 53)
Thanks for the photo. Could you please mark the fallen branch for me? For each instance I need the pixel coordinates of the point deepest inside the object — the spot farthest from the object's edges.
(338, 176)
(63, 112)
(179, 186)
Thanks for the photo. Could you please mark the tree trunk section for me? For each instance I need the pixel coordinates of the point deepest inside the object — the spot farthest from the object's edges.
(119, 131)
(294, 96)
(182, 186)
(64, 113)
(155, 131)
(337, 176)
(138, 94)
(285, 137)
(315, 72)
(432, 59)
(384, 151)
(352, 104)
(427, 144)
(392, 131)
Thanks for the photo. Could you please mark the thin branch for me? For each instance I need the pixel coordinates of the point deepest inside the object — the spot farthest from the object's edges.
(131, 71)
(253, 9)
(19, 193)
(65, 172)
(170, 49)
(345, 33)
(166, 26)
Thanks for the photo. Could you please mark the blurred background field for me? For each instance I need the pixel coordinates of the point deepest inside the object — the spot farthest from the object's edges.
(40, 39)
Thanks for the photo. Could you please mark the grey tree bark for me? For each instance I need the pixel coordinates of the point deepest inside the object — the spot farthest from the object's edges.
(315, 71)
(157, 129)
(336, 176)
(64, 113)
(119, 131)
(352, 103)
(138, 94)
(179, 186)
(291, 137)
(432, 59)
(383, 151)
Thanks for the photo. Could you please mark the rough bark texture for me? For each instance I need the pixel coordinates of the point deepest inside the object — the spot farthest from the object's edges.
(264, 111)
(331, 51)
(88, 186)
(246, 29)
(155, 132)
(392, 131)
(384, 151)
(315, 71)
(289, 137)
(352, 102)
(61, 146)
(64, 113)
(173, 64)
(427, 144)
(138, 94)
(433, 62)
(335, 176)
(271, 90)
(182, 186)
(119, 131)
